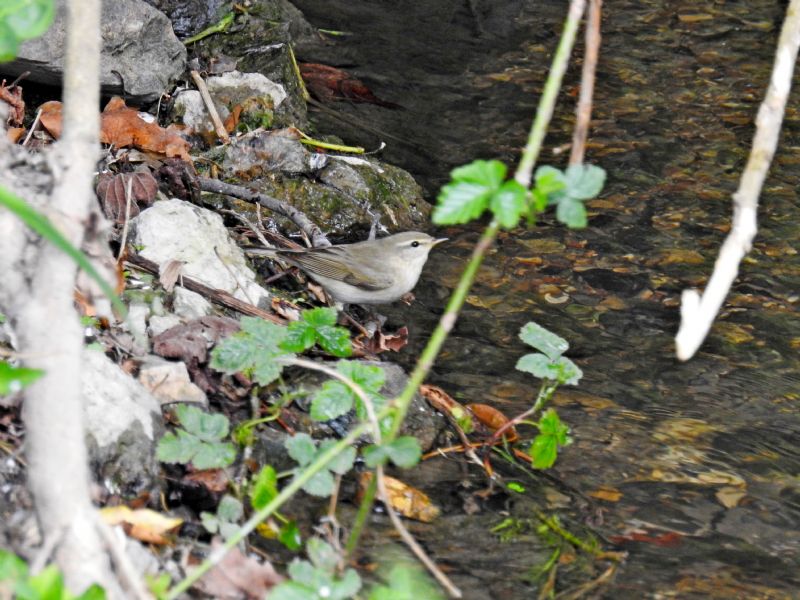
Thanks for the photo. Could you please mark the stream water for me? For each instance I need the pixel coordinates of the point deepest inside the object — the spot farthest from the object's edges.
(694, 468)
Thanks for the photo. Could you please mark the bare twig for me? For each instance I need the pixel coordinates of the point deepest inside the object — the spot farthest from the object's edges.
(33, 127)
(212, 110)
(124, 237)
(218, 296)
(698, 312)
(116, 547)
(584, 111)
(318, 239)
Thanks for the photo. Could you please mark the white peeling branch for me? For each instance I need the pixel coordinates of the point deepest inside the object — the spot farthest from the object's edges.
(698, 312)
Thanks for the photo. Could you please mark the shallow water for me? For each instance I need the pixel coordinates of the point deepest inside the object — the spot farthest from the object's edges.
(694, 469)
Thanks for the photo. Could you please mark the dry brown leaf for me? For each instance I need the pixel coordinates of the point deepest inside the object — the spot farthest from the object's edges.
(111, 190)
(13, 97)
(405, 500)
(168, 273)
(492, 418)
(238, 577)
(123, 127)
(445, 404)
(214, 480)
(143, 524)
(606, 493)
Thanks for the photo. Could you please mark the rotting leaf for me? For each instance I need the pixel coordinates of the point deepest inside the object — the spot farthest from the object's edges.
(405, 500)
(445, 404)
(238, 576)
(493, 419)
(111, 189)
(143, 524)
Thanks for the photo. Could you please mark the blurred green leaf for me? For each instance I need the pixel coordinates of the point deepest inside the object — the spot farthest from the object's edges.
(342, 462)
(14, 379)
(290, 536)
(584, 182)
(333, 400)
(264, 487)
(552, 434)
(301, 448)
(571, 213)
(27, 18)
(254, 350)
(404, 452)
(543, 340)
(467, 196)
(509, 203)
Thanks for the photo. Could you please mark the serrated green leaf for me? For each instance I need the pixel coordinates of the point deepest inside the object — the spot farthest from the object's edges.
(212, 427)
(210, 522)
(320, 317)
(300, 336)
(48, 583)
(304, 571)
(28, 18)
(301, 448)
(93, 592)
(214, 455)
(342, 462)
(375, 455)
(290, 536)
(264, 488)
(322, 555)
(179, 447)
(551, 424)
(347, 586)
(12, 566)
(549, 180)
(371, 378)
(543, 451)
(333, 400)
(571, 213)
(190, 417)
(321, 484)
(405, 451)
(267, 369)
(335, 340)
(406, 582)
(584, 182)
(292, 590)
(539, 366)
(568, 372)
(543, 340)
(264, 333)
(230, 509)
(468, 195)
(232, 355)
(14, 379)
(509, 203)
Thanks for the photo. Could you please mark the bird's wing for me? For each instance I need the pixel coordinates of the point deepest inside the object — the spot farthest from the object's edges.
(328, 262)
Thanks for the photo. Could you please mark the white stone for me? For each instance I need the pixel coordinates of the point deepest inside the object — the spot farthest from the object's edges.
(178, 230)
(189, 305)
(160, 323)
(169, 382)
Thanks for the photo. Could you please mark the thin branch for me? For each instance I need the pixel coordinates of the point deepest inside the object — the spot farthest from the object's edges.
(698, 312)
(318, 239)
(212, 110)
(583, 113)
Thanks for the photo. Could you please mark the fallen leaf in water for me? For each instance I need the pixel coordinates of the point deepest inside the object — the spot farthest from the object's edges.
(729, 496)
(238, 577)
(143, 524)
(608, 494)
(669, 539)
(328, 84)
(733, 333)
(695, 18)
(493, 419)
(404, 499)
(445, 404)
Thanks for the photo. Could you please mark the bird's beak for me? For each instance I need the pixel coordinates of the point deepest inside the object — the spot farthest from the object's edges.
(439, 241)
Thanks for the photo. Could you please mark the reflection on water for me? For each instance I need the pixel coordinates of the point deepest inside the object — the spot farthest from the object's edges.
(702, 457)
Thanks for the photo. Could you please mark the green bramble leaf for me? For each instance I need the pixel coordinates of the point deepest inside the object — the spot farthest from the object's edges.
(179, 447)
(509, 203)
(318, 326)
(405, 452)
(299, 337)
(342, 462)
(571, 213)
(9, 45)
(543, 340)
(322, 554)
(301, 448)
(12, 566)
(230, 509)
(264, 487)
(552, 434)
(254, 350)
(27, 18)
(334, 340)
(290, 536)
(14, 379)
(206, 426)
(549, 180)
(320, 317)
(333, 400)
(584, 182)
(468, 194)
(215, 455)
(406, 581)
(321, 484)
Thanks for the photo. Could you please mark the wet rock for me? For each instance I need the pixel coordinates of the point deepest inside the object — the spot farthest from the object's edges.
(263, 152)
(190, 305)
(170, 382)
(123, 424)
(138, 43)
(254, 96)
(174, 229)
(190, 16)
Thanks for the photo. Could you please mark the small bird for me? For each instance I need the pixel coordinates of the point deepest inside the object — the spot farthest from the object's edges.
(376, 271)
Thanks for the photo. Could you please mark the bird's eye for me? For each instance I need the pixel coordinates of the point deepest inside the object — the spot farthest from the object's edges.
(415, 244)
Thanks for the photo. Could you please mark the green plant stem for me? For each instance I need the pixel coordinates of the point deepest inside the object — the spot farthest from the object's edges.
(292, 488)
(364, 509)
(547, 102)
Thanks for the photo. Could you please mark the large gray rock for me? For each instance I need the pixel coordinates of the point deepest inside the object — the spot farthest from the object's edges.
(123, 424)
(178, 230)
(138, 42)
